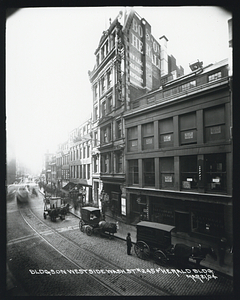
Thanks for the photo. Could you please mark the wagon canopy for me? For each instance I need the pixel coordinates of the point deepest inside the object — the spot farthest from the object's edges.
(154, 225)
(90, 208)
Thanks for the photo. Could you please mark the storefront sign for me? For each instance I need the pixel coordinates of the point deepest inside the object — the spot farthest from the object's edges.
(168, 178)
(188, 135)
(167, 138)
(215, 130)
(186, 185)
(149, 141)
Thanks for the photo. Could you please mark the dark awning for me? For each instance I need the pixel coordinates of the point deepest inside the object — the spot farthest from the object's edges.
(69, 186)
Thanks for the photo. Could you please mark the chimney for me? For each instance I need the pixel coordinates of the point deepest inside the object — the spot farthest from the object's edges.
(164, 55)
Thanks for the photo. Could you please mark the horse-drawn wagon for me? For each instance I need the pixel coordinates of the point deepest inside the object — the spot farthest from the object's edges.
(91, 221)
(54, 208)
(155, 239)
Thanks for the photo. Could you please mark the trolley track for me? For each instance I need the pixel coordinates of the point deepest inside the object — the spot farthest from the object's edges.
(118, 284)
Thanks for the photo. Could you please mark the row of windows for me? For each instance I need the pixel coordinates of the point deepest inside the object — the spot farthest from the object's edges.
(64, 160)
(79, 153)
(106, 133)
(105, 49)
(65, 174)
(106, 163)
(213, 122)
(192, 176)
(104, 84)
(80, 132)
(80, 171)
(180, 88)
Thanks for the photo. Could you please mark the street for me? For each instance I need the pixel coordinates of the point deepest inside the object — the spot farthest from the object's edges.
(48, 258)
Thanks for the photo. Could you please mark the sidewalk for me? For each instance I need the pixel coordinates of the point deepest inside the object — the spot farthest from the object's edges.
(226, 269)
(124, 228)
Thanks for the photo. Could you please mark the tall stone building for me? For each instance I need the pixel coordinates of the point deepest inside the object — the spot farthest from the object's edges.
(130, 62)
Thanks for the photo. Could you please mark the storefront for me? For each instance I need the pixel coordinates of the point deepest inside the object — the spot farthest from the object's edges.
(112, 196)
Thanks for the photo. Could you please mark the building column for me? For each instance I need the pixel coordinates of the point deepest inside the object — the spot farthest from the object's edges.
(140, 173)
(177, 180)
(200, 135)
(175, 131)
(156, 135)
(139, 138)
(156, 164)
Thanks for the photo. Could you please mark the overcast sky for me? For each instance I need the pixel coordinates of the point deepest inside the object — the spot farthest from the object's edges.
(50, 50)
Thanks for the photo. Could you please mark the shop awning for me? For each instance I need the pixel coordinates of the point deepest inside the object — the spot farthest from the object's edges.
(69, 186)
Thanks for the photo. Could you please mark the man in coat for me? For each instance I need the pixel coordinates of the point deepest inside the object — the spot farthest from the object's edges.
(129, 243)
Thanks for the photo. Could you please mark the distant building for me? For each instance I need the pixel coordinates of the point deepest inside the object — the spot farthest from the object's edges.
(80, 159)
(62, 164)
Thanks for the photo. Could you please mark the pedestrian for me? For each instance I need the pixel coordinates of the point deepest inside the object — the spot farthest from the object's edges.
(222, 250)
(129, 243)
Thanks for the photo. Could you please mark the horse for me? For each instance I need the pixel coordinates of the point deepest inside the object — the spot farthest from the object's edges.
(109, 227)
(182, 253)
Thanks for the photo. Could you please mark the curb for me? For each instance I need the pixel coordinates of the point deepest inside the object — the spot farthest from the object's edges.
(123, 239)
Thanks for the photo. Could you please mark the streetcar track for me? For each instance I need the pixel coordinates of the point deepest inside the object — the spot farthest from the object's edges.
(112, 278)
(77, 265)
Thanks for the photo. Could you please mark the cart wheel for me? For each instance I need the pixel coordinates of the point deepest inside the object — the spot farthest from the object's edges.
(81, 225)
(142, 250)
(160, 257)
(89, 230)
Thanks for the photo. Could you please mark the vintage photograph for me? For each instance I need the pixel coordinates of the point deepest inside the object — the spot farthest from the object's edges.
(119, 151)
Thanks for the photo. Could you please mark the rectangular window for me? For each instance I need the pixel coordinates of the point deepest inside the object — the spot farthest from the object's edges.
(133, 171)
(88, 150)
(95, 92)
(123, 206)
(148, 136)
(118, 129)
(188, 132)
(166, 133)
(214, 76)
(110, 104)
(95, 113)
(216, 172)
(84, 151)
(189, 172)
(81, 171)
(133, 139)
(214, 122)
(149, 172)
(109, 79)
(95, 138)
(77, 172)
(84, 171)
(95, 163)
(102, 85)
(188, 85)
(106, 46)
(167, 173)
(104, 109)
(105, 135)
(106, 163)
(88, 171)
(119, 162)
